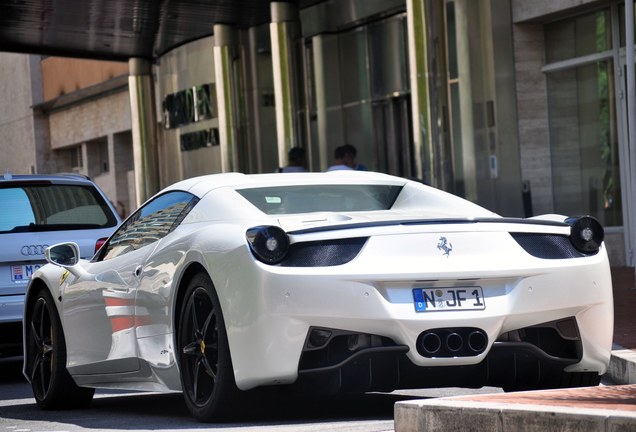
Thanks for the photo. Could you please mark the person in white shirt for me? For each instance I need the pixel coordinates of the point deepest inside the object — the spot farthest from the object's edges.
(345, 159)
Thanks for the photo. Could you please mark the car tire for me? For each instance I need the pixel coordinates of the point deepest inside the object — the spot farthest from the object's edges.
(207, 375)
(52, 385)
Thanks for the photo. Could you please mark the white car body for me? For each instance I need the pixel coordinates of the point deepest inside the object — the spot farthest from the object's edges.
(120, 316)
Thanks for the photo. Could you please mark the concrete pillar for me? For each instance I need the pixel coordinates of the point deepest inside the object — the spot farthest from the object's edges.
(420, 91)
(144, 128)
(283, 30)
(225, 39)
(469, 162)
(630, 223)
(320, 82)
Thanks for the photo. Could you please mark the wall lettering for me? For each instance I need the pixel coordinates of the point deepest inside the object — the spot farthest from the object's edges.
(190, 105)
(199, 139)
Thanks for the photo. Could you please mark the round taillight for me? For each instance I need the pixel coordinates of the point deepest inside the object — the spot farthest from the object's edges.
(586, 234)
(268, 243)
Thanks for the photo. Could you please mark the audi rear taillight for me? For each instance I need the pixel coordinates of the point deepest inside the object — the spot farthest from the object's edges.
(99, 243)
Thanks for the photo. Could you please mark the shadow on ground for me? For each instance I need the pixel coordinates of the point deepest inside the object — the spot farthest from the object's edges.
(131, 411)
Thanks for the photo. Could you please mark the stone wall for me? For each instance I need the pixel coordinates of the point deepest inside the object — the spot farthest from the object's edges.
(532, 111)
(17, 129)
(92, 119)
(106, 120)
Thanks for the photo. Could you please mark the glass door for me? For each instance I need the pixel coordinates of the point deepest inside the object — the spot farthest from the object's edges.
(392, 130)
(627, 149)
(584, 142)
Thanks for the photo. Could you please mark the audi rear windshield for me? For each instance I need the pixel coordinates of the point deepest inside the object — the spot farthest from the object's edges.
(52, 207)
(321, 198)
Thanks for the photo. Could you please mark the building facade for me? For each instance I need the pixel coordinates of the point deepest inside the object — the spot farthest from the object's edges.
(68, 115)
(519, 106)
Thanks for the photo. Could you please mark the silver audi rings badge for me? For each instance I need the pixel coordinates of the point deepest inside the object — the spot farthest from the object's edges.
(30, 250)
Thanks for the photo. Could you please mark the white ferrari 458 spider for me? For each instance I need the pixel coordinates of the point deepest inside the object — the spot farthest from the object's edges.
(322, 282)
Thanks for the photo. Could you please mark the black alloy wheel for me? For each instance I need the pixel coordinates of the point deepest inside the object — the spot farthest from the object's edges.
(42, 349)
(53, 387)
(207, 376)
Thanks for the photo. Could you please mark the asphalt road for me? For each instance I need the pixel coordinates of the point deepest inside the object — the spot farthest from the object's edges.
(118, 411)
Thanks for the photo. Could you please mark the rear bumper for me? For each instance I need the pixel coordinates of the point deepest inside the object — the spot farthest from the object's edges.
(534, 357)
(11, 308)
(267, 342)
(507, 366)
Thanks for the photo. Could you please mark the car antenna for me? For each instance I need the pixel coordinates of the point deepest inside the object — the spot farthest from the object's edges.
(8, 175)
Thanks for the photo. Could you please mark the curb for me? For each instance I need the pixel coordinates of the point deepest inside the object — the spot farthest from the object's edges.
(441, 415)
(622, 366)
(449, 414)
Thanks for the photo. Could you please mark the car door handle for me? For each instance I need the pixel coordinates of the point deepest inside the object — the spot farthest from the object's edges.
(138, 271)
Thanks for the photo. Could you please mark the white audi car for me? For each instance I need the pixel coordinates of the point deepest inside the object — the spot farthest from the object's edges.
(327, 282)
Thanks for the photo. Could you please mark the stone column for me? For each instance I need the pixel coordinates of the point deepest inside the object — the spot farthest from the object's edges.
(630, 223)
(144, 128)
(469, 163)
(283, 30)
(320, 82)
(420, 92)
(225, 38)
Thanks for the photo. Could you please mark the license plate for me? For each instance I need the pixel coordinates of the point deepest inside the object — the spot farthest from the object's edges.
(22, 273)
(447, 299)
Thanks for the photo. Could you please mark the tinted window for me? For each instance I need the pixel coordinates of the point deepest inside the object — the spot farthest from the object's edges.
(150, 223)
(48, 207)
(317, 198)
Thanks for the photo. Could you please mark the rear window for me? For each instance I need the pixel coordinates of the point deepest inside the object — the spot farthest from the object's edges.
(321, 198)
(48, 207)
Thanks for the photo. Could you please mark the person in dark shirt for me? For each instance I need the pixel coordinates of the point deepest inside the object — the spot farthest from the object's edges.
(296, 161)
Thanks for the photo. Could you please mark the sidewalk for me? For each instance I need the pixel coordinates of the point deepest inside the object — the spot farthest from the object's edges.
(593, 409)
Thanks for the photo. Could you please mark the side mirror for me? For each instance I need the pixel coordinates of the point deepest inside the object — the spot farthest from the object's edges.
(63, 254)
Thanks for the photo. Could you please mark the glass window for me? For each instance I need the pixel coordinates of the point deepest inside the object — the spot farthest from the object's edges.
(16, 210)
(621, 23)
(584, 142)
(458, 151)
(587, 34)
(150, 223)
(325, 198)
(354, 69)
(451, 35)
(48, 207)
(97, 155)
(387, 57)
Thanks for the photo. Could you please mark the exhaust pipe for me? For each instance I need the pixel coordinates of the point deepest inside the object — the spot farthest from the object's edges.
(477, 341)
(431, 342)
(452, 342)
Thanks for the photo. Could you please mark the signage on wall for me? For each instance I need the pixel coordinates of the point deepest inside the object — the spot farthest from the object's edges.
(199, 139)
(190, 105)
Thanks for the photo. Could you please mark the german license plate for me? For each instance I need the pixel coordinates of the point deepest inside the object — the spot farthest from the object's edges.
(22, 273)
(448, 299)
